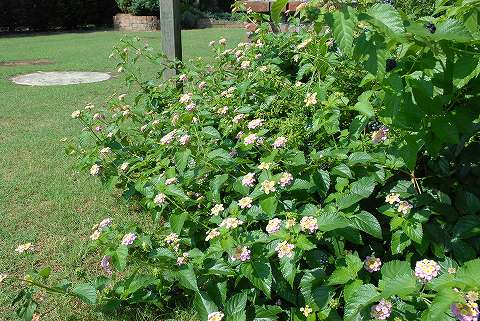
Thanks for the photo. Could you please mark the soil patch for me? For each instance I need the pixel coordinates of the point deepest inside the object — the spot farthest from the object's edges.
(15, 63)
(61, 78)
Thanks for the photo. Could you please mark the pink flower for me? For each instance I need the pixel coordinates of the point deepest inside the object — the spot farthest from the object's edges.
(98, 129)
(168, 138)
(279, 142)
(404, 207)
(382, 310)
(185, 98)
(285, 179)
(245, 64)
(309, 223)
(105, 223)
(273, 225)
(222, 41)
(284, 249)
(181, 260)
(128, 239)
(202, 85)
(98, 116)
(184, 139)
(255, 123)
(212, 234)
(238, 118)
(190, 107)
(465, 311)
(106, 264)
(223, 110)
(426, 270)
(242, 254)
(380, 135)
(250, 139)
(170, 181)
(372, 264)
(160, 199)
(183, 77)
(249, 180)
(231, 223)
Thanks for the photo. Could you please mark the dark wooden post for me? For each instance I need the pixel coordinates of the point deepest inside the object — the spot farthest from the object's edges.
(171, 32)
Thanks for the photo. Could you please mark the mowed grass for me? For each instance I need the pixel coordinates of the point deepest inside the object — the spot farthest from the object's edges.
(43, 198)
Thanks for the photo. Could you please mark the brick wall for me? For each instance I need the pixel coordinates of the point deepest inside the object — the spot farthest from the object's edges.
(128, 22)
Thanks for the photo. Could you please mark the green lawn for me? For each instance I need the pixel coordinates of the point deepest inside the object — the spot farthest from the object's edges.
(43, 198)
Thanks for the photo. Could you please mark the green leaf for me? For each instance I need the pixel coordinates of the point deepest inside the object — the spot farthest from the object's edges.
(288, 269)
(386, 17)
(366, 222)
(177, 221)
(314, 293)
(359, 158)
(216, 184)
(220, 157)
(468, 273)
(329, 220)
(359, 301)
(343, 25)
(413, 230)
(441, 305)
(269, 205)
(399, 242)
(452, 30)
(364, 106)
(322, 181)
(342, 170)
(187, 278)
(204, 305)
(276, 9)
(119, 258)
(235, 307)
(259, 273)
(211, 132)
(400, 284)
(343, 274)
(467, 203)
(176, 191)
(85, 292)
(393, 268)
(181, 160)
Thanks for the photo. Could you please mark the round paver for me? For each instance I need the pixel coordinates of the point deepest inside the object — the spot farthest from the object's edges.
(53, 78)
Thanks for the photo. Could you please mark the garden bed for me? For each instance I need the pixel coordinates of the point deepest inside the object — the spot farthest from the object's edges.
(128, 22)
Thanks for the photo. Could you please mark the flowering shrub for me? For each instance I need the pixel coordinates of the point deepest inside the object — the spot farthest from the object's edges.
(329, 173)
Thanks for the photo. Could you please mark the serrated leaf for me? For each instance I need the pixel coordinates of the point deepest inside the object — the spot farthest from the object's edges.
(343, 26)
(187, 278)
(235, 307)
(288, 269)
(343, 274)
(367, 223)
(386, 16)
(259, 273)
(269, 205)
(276, 9)
(452, 30)
(329, 220)
(360, 300)
(119, 258)
(401, 285)
(204, 305)
(413, 230)
(85, 292)
(177, 221)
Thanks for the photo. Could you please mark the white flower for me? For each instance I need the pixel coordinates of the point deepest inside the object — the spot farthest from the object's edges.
(105, 151)
(212, 234)
(89, 107)
(122, 97)
(245, 64)
(211, 43)
(124, 166)
(217, 209)
(392, 198)
(95, 170)
(245, 202)
(215, 316)
(3, 276)
(27, 247)
(304, 43)
(231, 223)
(279, 142)
(264, 166)
(285, 179)
(223, 110)
(184, 139)
(248, 180)
(181, 260)
(311, 99)
(255, 123)
(185, 98)
(95, 235)
(268, 186)
(171, 238)
(76, 114)
(222, 41)
(238, 118)
(170, 181)
(183, 77)
(160, 199)
(284, 249)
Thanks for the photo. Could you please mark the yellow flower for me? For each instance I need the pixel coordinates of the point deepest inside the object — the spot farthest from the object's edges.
(268, 186)
(306, 310)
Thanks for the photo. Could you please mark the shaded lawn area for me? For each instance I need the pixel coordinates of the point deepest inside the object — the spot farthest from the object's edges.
(43, 197)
